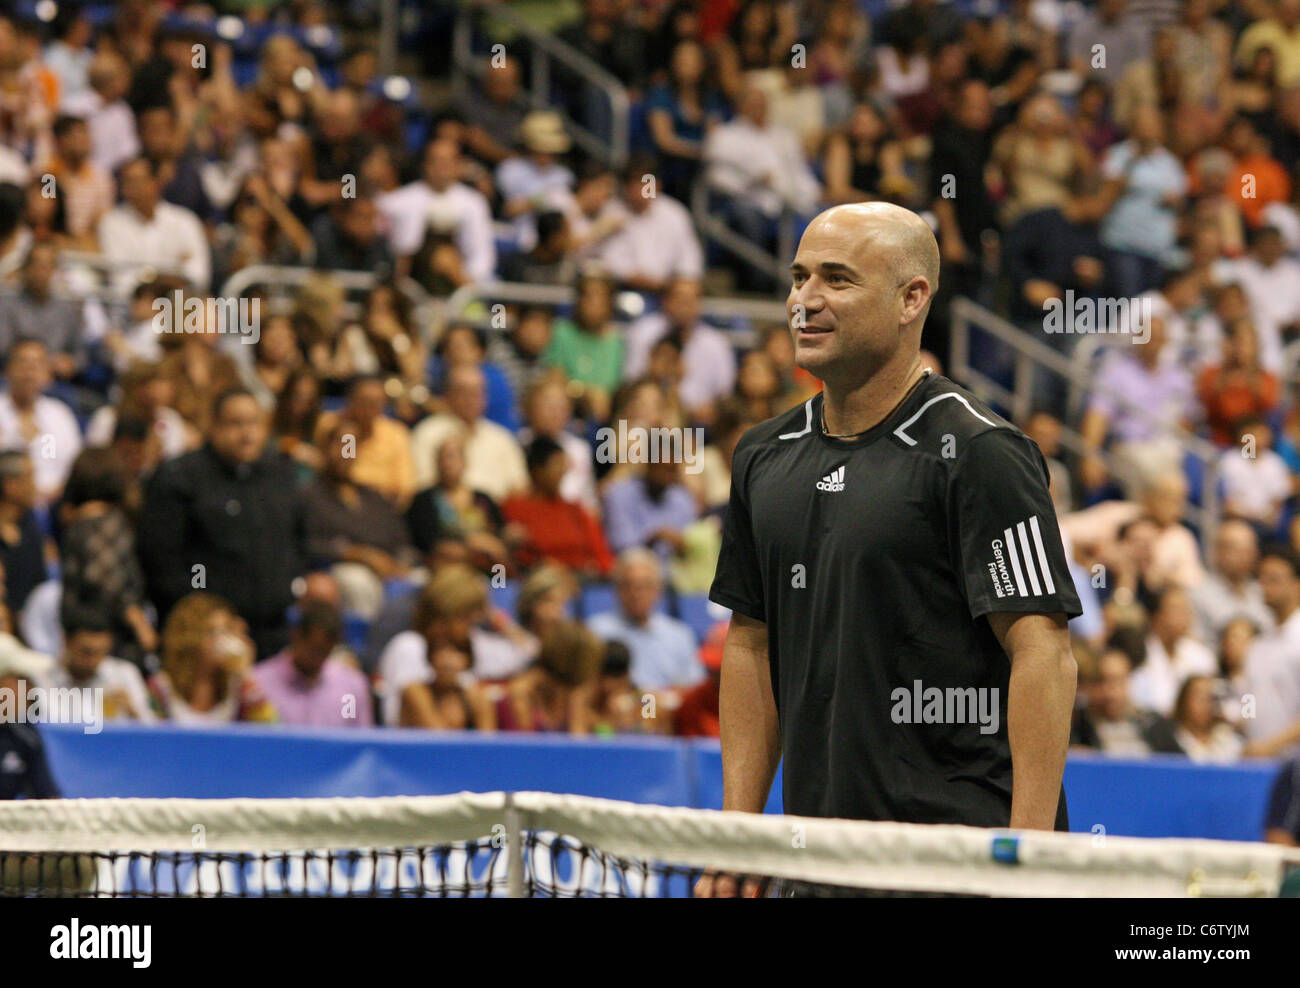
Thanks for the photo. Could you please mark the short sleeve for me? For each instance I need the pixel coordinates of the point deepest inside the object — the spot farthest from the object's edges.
(1003, 531)
(738, 583)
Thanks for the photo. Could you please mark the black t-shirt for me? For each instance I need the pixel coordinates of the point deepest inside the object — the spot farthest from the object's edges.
(24, 770)
(872, 563)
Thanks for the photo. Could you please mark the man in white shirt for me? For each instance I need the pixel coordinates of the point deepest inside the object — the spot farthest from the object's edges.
(707, 354)
(1172, 655)
(1273, 661)
(30, 420)
(87, 665)
(494, 460)
(1230, 589)
(1269, 279)
(758, 162)
(147, 231)
(439, 201)
(656, 242)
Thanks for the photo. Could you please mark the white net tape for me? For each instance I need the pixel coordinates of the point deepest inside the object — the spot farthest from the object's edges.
(847, 853)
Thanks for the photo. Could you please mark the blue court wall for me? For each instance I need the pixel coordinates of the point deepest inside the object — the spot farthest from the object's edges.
(1159, 797)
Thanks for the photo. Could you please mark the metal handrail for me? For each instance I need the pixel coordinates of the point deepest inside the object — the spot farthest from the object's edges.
(1031, 355)
(713, 228)
(468, 65)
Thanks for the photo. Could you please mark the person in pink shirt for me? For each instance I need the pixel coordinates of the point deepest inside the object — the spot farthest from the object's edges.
(306, 686)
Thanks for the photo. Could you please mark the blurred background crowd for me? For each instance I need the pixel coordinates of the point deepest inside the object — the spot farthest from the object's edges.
(469, 236)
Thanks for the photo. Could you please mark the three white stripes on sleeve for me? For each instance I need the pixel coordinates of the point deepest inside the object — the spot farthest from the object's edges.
(1028, 556)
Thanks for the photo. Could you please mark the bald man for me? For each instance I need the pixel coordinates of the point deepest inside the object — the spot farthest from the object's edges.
(898, 588)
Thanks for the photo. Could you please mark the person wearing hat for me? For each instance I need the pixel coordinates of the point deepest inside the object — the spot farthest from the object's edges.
(534, 180)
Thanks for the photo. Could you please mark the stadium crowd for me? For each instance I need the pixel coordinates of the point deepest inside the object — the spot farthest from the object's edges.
(356, 514)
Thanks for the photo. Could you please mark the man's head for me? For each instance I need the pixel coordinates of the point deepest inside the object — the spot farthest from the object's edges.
(1165, 498)
(681, 303)
(28, 371)
(974, 109)
(1107, 692)
(341, 452)
(158, 133)
(441, 163)
(1172, 617)
(863, 280)
(547, 464)
(72, 138)
(753, 106)
(87, 642)
(39, 268)
(1267, 245)
(139, 185)
(638, 579)
(547, 407)
(318, 630)
(501, 81)
(1236, 550)
(17, 479)
(366, 401)
(466, 393)
(239, 426)
(1279, 580)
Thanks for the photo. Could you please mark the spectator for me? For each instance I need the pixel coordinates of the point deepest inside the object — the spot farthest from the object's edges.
(1172, 654)
(680, 115)
(1267, 276)
(551, 694)
(1144, 186)
(1108, 721)
(207, 662)
(520, 353)
(276, 355)
(22, 544)
(348, 237)
(446, 613)
(1256, 481)
(87, 665)
(26, 768)
(462, 345)
(44, 426)
(613, 705)
(146, 396)
(449, 700)
(707, 353)
(352, 529)
(535, 181)
(1237, 387)
(439, 201)
(492, 110)
(1106, 41)
(550, 261)
(450, 509)
(42, 310)
(109, 118)
(1230, 588)
(162, 143)
(588, 347)
(759, 170)
(494, 462)
(379, 446)
(556, 529)
(1282, 821)
(1200, 728)
(663, 648)
(1273, 662)
(87, 188)
(549, 411)
(698, 715)
(656, 242)
(102, 580)
(229, 518)
(650, 510)
(306, 683)
(1279, 33)
(145, 230)
(1141, 403)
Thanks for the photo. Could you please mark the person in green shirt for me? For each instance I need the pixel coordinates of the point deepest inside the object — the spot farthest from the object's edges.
(588, 346)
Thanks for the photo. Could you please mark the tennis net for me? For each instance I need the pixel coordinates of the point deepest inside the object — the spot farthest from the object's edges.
(548, 845)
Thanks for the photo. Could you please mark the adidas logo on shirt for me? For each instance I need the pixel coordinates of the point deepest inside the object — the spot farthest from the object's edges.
(833, 481)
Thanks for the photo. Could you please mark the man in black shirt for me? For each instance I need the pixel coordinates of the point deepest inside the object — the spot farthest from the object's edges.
(227, 518)
(894, 568)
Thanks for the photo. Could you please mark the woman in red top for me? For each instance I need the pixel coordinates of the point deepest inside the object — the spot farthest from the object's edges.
(1237, 387)
(555, 528)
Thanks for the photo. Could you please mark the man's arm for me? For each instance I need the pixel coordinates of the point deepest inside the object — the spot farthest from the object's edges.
(1040, 701)
(751, 736)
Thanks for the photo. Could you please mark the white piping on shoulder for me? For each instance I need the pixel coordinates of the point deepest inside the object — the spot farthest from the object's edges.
(921, 411)
(807, 425)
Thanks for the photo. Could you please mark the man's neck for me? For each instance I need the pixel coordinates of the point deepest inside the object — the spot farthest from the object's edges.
(1283, 613)
(856, 408)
